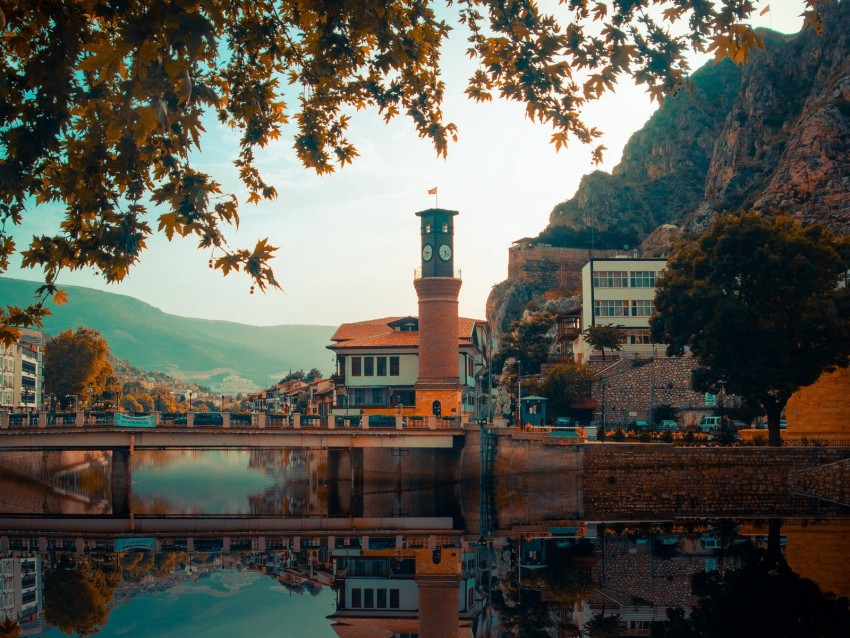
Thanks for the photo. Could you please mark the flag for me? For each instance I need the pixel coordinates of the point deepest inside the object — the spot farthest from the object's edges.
(432, 191)
(765, 10)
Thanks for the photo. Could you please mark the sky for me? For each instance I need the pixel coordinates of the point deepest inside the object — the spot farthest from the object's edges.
(349, 242)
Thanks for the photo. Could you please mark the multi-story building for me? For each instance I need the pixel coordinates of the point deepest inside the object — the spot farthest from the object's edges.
(621, 292)
(21, 367)
(21, 591)
(378, 365)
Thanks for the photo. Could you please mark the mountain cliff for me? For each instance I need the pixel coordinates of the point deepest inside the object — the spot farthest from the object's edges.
(773, 136)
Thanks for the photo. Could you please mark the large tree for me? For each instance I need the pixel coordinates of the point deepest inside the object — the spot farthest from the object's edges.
(102, 103)
(528, 341)
(565, 384)
(599, 337)
(77, 363)
(761, 304)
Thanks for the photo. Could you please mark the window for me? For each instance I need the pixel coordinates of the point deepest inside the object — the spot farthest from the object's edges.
(637, 336)
(377, 396)
(643, 279)
(368, 598)
(393, 366)
(394, 603)
(610, 279)
(610, 308)
(368, 366)
(382, 366)
(355, 366)
(641, 307)
(356, 598)
(382, 599)
(359, 397)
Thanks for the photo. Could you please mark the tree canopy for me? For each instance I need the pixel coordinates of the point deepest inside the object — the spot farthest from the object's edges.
(77, 596)
(528, 341)
(761, 305)
(77, 363)
(600, 337)
(102, 104)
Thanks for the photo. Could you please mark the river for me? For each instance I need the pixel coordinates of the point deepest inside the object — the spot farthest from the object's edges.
(298, 543)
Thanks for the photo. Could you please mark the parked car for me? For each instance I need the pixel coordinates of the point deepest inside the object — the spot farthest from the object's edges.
(639, 426)
(564, 422)
(740, 425)
(709, 424)
(668, 425)
(762, 424)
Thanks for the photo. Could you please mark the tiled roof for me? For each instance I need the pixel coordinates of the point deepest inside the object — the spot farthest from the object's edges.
(377, 333)
(381, 626)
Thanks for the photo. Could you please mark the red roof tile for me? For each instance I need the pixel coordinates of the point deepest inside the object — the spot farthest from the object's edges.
(377, 333)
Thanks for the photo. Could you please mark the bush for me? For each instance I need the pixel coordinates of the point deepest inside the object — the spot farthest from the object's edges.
(619, 436)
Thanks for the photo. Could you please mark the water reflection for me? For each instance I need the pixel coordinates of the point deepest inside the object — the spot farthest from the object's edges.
(213, 543)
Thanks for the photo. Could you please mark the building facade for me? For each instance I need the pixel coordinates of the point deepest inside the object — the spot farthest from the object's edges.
(22, 370)
(620, 291)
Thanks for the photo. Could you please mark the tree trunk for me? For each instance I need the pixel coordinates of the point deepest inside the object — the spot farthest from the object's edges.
(773, 409)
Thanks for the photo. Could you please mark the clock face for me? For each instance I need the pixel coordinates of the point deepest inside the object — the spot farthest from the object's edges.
(445, 252)
(427, 252)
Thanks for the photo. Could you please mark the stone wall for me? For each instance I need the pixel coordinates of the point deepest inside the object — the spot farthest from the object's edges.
(662, 481)
(627, 384)
(550, 267)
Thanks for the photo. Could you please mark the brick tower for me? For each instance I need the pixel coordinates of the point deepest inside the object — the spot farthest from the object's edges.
(438, 385)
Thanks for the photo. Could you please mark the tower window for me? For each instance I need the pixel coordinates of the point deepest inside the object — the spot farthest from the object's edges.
(427, 228)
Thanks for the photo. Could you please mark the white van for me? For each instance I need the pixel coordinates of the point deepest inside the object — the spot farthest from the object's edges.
(709, 424)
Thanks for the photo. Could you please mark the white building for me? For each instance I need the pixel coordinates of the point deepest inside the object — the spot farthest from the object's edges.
(21, 590)
(620, 292)
(21, 373)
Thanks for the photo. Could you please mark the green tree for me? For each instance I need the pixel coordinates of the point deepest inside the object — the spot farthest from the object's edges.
(757, 302)
(564, 385)
(77, 363)
(528, 340)
(103, 103)
(601, 337)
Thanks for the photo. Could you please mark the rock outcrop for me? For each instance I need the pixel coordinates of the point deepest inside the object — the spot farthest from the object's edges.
(773, 137)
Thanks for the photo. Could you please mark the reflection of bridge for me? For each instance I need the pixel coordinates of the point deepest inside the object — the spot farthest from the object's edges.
(110, 438)
(205, 525)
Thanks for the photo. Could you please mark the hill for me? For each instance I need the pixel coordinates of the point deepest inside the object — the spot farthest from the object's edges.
(196, 350)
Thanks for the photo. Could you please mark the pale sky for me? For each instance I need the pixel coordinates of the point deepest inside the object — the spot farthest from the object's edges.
(349, 242)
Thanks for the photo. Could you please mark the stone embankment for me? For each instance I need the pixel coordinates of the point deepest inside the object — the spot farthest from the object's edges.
(631, 481)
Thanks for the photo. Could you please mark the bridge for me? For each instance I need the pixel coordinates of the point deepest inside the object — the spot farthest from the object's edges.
(81, 431)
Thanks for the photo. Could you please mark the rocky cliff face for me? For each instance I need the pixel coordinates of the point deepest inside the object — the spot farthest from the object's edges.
(773, 136)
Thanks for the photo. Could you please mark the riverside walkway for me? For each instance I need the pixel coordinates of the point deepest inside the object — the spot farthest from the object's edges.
(78, 431)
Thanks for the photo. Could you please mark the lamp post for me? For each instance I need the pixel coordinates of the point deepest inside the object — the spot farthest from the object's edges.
(190, 400)
(73, 396)
(519, 393)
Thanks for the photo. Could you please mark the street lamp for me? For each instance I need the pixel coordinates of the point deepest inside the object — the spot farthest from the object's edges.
(190, 400)
(73, 396)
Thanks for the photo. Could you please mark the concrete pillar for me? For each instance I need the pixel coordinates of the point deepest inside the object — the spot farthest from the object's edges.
(365, 421)
(42, 544)
(190, 544)
(260, 420)
(331, 422)
(80, 418)
(42, 420)
(4, 419)
(158, 417)
(121, 482)
(79, 546)
(4, 543)
(399, 542)
(260, 544)
(296, 544)
(190, 419)
(399, 422)
(225, 420)
(432, 422)
(225, 544)
(438, 605)
(296, 421)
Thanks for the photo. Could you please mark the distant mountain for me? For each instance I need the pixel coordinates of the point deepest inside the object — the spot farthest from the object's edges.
(196, 350)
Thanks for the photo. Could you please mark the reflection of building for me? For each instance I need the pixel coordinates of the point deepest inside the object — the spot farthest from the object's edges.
(21, 371)
(427, 592)
(21, 590)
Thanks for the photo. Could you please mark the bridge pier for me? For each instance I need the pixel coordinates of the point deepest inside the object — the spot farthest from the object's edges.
(121, 482)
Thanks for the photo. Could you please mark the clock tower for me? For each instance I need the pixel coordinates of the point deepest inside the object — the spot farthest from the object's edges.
(438, 385)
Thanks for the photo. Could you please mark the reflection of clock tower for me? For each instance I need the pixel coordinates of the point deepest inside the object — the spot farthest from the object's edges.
(438, 385)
